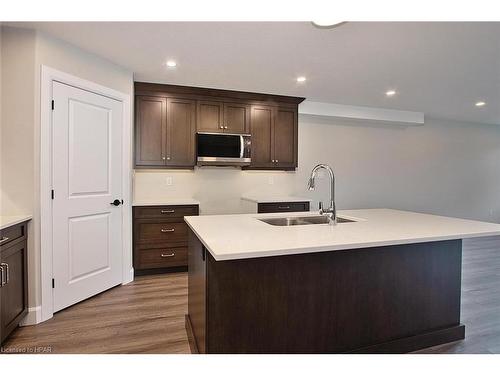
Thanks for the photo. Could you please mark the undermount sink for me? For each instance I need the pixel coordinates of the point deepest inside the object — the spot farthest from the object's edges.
(301, 220)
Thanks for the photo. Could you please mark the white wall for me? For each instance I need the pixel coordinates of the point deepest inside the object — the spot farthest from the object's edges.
(442, 167)
(24, 52)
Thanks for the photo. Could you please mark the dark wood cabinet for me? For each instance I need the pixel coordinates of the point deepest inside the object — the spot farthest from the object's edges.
(150, 131)
(14, 276)
(164, 132)
(160, 237)
(210, 116)
(262, 137)
(274, 137)
(264, 208)
(181, 125)
(220, 117)
(285, 138)
(167, 118)
(236, 118)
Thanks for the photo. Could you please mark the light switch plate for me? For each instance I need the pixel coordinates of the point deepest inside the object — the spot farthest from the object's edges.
(170, 181)
(270, 180)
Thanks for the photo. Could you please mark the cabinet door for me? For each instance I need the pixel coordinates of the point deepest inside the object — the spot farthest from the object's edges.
(180, 132)
(236, 118)
(210, 116)
(14, 294)
(150, 131)
(285, 138)
(262, 136)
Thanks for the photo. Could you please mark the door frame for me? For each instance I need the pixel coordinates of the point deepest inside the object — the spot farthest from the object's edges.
(48, 76)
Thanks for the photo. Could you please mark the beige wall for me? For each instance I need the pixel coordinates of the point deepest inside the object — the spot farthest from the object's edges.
(447, 168)
(24, 52)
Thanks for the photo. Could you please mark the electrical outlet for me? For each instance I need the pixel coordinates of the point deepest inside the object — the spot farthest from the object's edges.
(170, 181)
(270, 180)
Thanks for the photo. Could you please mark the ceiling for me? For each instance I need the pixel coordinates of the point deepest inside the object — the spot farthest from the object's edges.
(440, 69)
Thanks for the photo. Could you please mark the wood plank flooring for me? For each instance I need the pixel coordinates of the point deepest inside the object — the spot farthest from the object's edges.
(147, 315)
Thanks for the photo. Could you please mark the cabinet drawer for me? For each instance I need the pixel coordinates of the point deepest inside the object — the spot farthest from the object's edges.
(156, 212)
(283, 207)
(162, 231)
(12, 233)
(160, 258)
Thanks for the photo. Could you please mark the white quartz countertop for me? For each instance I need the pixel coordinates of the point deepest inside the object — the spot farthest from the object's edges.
(165, 202)
(8, 221)
(271, 199)
(229, 237)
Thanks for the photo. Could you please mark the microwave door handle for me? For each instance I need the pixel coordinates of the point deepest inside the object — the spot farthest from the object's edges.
(242, 146)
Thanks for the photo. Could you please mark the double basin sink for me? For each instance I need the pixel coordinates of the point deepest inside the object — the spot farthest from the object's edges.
(302, 220)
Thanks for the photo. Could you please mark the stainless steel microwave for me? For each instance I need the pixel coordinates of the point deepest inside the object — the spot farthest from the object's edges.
(223, 149)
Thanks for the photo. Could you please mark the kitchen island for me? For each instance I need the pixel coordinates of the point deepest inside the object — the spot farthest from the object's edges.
(385, 282)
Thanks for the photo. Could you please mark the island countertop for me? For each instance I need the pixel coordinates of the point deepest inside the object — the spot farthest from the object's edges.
(243, 236)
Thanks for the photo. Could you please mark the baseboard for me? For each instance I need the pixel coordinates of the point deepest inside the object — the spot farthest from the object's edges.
(190, 335)
(128, 278)
(34, 316)
(417, 342)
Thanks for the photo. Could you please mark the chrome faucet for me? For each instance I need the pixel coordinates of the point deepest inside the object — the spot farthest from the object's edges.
(331, 211)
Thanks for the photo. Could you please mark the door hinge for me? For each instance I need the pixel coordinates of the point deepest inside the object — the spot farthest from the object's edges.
(53, 283)
(52, 194)
(52, 104)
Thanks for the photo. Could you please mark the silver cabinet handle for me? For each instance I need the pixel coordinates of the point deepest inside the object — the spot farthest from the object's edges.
(1, 276)
(277, 161)
(167, 230)
(168, 157)
(168, 255)
(167, 211)
(163, 157)
(222, 126)
(225, 127)
(5, 274)
(283, 207)
(4, 239)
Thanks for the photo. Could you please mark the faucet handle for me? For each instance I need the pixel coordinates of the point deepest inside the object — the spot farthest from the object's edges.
(320, 207)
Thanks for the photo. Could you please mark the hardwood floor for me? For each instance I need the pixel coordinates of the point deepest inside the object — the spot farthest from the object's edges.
(147, 316)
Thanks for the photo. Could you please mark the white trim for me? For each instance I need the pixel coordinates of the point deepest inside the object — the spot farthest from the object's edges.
(361, 113)
(34, 316)
(48, 75)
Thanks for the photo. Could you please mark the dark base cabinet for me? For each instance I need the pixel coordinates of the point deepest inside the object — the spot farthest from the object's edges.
(14, 276)
(160, 238)
(264, 208)
(392, 299)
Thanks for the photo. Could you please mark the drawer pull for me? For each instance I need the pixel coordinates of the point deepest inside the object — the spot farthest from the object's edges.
(168, 255)
(167, 211)
(284, 207)
(5, 274)
(4, 239)
(167, 230)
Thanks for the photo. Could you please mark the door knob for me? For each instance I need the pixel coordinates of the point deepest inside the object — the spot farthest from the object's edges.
(117, 202)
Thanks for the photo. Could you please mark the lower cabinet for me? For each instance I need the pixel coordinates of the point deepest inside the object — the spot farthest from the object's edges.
(14, 278)
(161, 237)
(263, 208)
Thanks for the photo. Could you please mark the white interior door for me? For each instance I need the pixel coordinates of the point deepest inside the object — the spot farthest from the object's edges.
(87, 177)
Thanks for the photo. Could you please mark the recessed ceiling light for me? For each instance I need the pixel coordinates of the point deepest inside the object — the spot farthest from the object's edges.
(327, 24)
(301, 79)
(480, 104)
(390, 92)
(171, 64)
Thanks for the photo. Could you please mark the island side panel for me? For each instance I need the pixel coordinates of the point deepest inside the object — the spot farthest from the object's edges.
(337, 301)
(196, 318)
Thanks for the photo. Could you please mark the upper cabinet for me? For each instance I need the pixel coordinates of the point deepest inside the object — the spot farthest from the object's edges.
(150, 130)
(274, 137)
(220, 117)
(167, 118)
